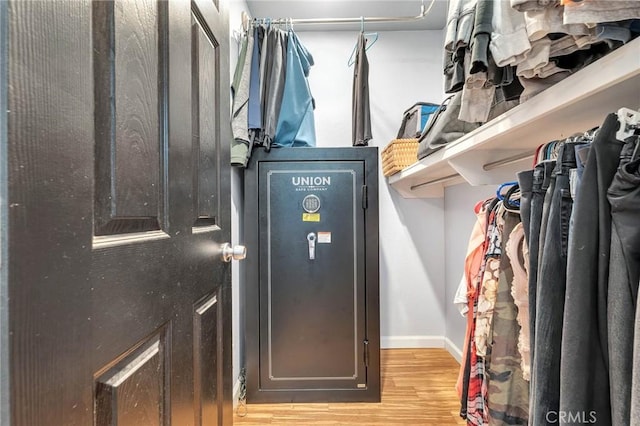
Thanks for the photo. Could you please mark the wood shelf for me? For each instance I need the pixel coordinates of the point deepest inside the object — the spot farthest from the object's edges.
(575, 104)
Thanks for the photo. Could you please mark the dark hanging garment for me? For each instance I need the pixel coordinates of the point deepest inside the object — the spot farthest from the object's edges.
(584, 362)
(275, 83)
(481, 36)
(266, 61)
(240, 109)
(255, 110)
(635, 381)
(624, 274)
(550, 290)
(361, 116)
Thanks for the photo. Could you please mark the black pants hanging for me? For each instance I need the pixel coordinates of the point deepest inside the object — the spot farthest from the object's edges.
(584, 375)
(541, 180)
(545, 371)
(624, 273)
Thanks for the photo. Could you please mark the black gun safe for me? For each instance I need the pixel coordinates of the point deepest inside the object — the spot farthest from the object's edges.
(312, 315)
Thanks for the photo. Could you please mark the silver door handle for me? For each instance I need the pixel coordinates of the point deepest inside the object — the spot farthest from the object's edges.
(232, 252)
(311, 238)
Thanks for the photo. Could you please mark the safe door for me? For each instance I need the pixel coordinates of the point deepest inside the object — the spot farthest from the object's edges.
(314, 337)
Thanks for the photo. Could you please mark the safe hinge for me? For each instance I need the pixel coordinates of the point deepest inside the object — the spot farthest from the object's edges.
(365, 197)
(366, 353)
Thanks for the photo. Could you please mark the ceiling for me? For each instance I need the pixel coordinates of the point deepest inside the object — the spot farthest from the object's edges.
(305, 9)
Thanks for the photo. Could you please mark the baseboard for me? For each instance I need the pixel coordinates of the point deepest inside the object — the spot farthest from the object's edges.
(397, 342)
(236, 394)
(454, 350)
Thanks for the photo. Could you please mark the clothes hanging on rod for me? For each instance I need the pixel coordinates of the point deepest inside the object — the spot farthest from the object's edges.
(635, 381)
(296, 125)
(588, 291)
(240, 91)
(576, 252)
(274, 51)
(361, 114)
(254, 119)
(370, 42)
(491, 383)
(272, 101)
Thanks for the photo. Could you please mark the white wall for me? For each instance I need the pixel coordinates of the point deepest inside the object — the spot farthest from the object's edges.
(405, 67)
(237, 208)
(459, 201)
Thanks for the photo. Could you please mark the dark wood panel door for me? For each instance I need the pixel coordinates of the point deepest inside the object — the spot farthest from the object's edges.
(115, 204)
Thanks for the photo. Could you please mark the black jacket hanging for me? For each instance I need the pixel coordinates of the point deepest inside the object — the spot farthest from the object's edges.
(361, 116)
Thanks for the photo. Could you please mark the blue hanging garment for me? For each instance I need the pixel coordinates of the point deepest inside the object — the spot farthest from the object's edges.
(296, 124)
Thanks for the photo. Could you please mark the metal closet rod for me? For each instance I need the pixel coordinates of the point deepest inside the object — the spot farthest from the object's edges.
(487, 167)
(362, 19)
(509, 160)
(434, 181)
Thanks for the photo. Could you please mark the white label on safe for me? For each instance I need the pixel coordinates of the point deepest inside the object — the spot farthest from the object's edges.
(324, 237)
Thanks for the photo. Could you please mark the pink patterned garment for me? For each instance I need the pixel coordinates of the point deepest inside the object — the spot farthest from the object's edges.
(518, 253)
(489, 284)
(472, 265)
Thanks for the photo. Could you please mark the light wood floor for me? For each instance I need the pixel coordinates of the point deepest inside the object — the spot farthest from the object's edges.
(417, 389)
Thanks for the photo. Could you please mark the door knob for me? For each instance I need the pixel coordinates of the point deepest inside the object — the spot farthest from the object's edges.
(232, 252)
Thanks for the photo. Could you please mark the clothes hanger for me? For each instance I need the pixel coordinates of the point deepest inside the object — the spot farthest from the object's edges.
(371, 42)
(501, 187)
(512, 198)
(237, 36)
(578, 137)
(549, 150)
(538, 156)
(246, 21)
(368, 46)
(590, 135)
(629, 122)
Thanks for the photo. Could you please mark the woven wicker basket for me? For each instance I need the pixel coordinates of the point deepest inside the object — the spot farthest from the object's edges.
(398, 155)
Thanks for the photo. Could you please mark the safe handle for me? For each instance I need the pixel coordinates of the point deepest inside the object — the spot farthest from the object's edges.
(311, 238)
(232, 252)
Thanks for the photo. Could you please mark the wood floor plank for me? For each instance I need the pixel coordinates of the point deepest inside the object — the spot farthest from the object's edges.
(417, 389)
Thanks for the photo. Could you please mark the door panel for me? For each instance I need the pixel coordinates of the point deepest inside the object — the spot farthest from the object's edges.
(132, 391)
(129, 62)
(312, 312)
(204, 67)
(207, 326)
(120, 309)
